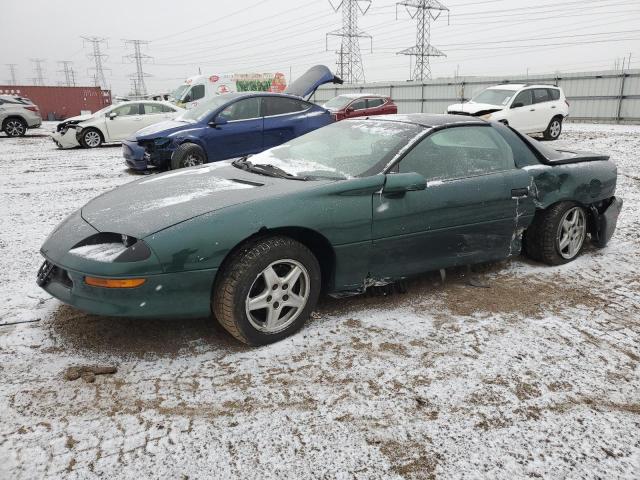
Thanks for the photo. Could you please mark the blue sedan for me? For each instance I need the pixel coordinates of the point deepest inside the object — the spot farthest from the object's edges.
(231, 125)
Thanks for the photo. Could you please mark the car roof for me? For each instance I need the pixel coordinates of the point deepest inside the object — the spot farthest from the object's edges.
(360, 95)
(233, 95)
(518, 86)
(430, 119)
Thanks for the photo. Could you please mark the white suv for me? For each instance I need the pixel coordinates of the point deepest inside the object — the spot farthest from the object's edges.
(17, 114)
(527, 108)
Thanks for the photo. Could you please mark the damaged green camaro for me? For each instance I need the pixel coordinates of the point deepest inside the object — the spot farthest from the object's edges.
(354, 204)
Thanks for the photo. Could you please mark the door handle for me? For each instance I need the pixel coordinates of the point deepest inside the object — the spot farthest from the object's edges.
(532, 110)
(520, 192)
(553, 106)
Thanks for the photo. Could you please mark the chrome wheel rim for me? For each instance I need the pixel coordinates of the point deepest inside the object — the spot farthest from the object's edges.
(571, 232)
(555, 128)
(92, 139)
(192, 161)
(277, 296)
(14, 128)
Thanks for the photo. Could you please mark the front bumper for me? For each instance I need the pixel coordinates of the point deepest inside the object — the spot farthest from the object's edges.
(135, 156)
(66, 140)
(166, 295)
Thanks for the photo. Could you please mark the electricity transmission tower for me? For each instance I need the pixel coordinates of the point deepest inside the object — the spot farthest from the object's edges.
(12, 72)
(98, 58)
(69, 73)
(349, 60)
(38, 80)
(426, 11)
(139, 87)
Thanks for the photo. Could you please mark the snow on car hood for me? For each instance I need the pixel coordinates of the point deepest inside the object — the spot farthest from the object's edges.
(156, 202)
(473, 108)
(161, 129)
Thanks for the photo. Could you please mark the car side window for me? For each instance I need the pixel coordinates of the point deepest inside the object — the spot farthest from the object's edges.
(554, 93)
(281, 105)
(541, 95)
(374, 102)
(127, 109)
(523, 98)
(359, 104)
(151, 108)
(167, 109)
(197, 92)
(242, 109)
(459, 152)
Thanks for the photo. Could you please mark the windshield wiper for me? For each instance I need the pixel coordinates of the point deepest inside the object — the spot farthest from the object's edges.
(267, 170)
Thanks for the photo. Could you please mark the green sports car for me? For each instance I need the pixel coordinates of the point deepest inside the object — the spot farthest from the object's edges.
(354, 204)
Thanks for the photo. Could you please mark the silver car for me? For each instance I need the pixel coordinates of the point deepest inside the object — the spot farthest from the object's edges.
(17, 114)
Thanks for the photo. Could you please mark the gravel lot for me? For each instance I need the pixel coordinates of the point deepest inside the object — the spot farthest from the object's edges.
(536, 376)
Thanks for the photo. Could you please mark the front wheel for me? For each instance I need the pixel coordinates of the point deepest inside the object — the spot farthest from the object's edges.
(267, 290)
(554, 129)
(187, 155)
(557, 234)
(91, 138)
(15, 127)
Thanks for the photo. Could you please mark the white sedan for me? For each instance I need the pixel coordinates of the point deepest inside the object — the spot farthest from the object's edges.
(112, 124)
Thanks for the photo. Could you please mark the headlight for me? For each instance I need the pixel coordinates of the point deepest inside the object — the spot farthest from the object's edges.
(486, 116)
(161, 142)
(111, 247)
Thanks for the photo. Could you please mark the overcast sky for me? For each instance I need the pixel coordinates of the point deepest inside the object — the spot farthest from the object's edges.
(482, 37)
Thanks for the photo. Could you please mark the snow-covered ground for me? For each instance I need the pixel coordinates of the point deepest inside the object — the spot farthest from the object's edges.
(536, 376)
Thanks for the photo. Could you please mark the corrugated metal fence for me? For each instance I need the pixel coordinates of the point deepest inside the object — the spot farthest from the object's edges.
(603, 96)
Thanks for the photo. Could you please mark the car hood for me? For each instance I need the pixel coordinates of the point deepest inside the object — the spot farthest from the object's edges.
(161, 129)
(473, 108)
(78, 118)
(156, 202)
(305, 85)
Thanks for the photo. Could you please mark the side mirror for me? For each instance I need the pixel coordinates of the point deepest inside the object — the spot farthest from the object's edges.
(112, 115)
(219, 121)
(349, 110)
(398, 184)
(517, 105)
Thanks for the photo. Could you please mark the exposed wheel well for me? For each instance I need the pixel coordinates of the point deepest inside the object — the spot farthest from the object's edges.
(91, 128)
(313, 240)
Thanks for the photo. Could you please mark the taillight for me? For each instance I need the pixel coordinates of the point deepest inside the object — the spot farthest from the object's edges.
(32, 108)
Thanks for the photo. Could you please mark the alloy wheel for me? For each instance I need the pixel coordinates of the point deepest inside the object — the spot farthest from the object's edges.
(571, 232)
(92, 139)
(192, 161)
(278, 296)
(14, 128)
(554, 129)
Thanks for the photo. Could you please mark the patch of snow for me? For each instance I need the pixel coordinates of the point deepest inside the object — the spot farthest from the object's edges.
(102, 252)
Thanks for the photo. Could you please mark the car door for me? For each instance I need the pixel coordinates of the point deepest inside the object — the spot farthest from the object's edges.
(127, 120)
(240, 135)
(375, 106)
(284, 119)
(543, 111)
(464, 216)
(153, 113)
(521, 114)
(357, 108)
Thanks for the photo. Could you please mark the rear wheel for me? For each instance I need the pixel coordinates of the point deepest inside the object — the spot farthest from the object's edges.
(187, 155)
(91, 138)
(557, 234)
(554, 129)
(267, 290)
(15, 127)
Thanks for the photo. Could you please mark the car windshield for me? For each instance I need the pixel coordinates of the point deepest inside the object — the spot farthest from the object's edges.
(178, 92)
(103, 110)
(344, 149)
(494, 96)
(203, 110)
(338, 102)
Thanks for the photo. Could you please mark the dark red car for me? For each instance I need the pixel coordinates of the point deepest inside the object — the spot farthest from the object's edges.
(352, 105)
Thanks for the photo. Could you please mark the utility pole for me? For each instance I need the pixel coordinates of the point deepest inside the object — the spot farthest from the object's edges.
(69, 74)
(38, 80)
(12, 72)
(349, 60)
(426, 11)
(98, 58)
(139, 58)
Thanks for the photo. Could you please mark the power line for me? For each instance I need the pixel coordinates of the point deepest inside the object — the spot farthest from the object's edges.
(139, 88)
(38, 80)
(98, 58)
(425, 11)
(12, 72)
(349, 60)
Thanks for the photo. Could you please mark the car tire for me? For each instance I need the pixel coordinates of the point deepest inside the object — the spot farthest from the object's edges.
(187, 155)
(554, 129)
(91, 138)
(254, 299)
(15, 127)
(557, 234)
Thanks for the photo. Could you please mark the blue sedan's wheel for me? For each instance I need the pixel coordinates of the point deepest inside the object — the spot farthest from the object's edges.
(267, 291)
(187, 155)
